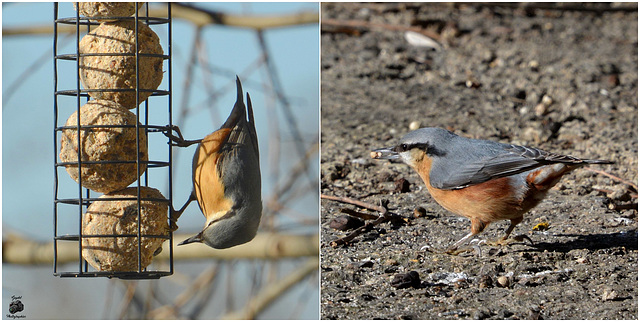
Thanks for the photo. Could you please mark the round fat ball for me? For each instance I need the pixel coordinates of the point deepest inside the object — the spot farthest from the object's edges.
(104, 144)
(119, 72)
(120, 217)
(107, 9)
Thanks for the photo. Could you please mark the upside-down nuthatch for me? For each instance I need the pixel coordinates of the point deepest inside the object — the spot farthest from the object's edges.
(226, 180)
(482, 180)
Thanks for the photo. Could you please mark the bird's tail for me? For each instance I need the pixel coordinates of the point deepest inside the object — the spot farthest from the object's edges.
(239, 110)
(598, 161)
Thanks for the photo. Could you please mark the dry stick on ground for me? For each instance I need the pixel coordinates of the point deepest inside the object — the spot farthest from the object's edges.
(614, 206)
(551, 6)
(384, 216)
(358, 214)
(613, 177)
(371, 25)
(355, 202)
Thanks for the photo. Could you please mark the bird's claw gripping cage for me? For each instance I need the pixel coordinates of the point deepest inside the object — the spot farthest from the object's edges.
(116, 235)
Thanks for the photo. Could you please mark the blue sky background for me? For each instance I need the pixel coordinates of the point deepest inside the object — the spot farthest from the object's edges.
(27, 139)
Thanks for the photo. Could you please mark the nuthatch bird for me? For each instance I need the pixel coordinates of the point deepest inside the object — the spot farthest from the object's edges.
(226, 180)
(482, 180)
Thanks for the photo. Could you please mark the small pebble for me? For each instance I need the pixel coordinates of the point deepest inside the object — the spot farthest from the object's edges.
(540, 109)
(481, 314)
(406, 280)
(414, 125)
(402, 186)
(419, 212)
(503, 281)
(609, 295)
(485, 281)
(613, 80)
(365, 264)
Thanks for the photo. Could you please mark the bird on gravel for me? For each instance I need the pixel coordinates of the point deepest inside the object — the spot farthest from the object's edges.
(482, 180)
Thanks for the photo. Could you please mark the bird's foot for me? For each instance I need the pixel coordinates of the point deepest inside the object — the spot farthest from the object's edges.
(506, 241)
(179, 139)
(173, 226)
(452, 250)
(427, 248)
(173, 220)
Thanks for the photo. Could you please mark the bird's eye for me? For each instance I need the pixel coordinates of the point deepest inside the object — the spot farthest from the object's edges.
(402, 148)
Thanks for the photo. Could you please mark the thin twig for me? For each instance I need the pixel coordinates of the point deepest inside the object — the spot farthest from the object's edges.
(171, 310)
(186, 90)
(355, 202)
(295, 173)
(358, 214)
(344, 240)
(633, 205)
(269, 293)
(608, 191)
(612, 177)
(127, 299)
(553, 6)
(384, 216)
(203, 298)
(199, 17)
(207, 78)
(276, 84)
(372, 25)
(28, 72)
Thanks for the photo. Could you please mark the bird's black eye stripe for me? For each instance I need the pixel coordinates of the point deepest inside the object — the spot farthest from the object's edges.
(426, 147)
(406, 147)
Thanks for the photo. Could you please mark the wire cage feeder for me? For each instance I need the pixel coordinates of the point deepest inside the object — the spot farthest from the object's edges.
(128, 238)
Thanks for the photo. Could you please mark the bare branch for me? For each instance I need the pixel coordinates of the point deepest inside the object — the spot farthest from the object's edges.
(197, 16)
(18, 250)
(271, 292)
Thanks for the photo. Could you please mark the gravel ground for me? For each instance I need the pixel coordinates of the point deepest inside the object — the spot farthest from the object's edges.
(562, 80)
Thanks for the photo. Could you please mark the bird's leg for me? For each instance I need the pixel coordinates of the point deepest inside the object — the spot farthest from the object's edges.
(179, 140)
(505, 240)
(477, 227)
(175, 214)
(463, 240)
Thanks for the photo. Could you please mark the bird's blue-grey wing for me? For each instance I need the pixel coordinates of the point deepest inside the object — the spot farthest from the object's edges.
(507, 161)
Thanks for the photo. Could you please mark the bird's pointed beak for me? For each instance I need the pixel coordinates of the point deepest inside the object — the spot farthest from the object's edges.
(195, 239)
(385, 154)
